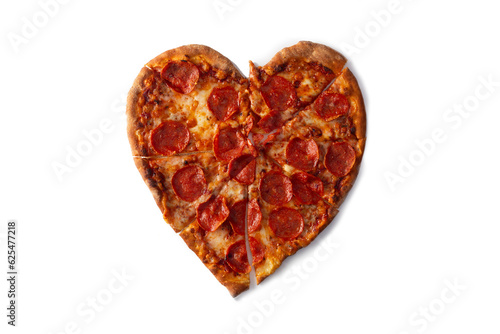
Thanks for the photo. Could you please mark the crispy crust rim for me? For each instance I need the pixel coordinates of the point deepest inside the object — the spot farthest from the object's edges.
(310, 52)
(359, 118)
(353, 175)
(187, 52)
(156, 189)
(132, 110)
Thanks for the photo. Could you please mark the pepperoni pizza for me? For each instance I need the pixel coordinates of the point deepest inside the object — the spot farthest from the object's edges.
(236, 164)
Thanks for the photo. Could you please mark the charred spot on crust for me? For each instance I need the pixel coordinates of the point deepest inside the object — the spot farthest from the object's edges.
(155, 178)
(279, 68)
(259, 74)
(149, 173)
(320, 68)
(152, 184)
(338, 183)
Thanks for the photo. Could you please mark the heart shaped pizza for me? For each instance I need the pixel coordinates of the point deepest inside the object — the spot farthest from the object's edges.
(247, 171)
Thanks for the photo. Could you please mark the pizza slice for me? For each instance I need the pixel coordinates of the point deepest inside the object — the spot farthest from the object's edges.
(217, 237)
(286, 224)
(325, 141)
(196, 196)
(291, 80)
(180, 183)
(179, 97)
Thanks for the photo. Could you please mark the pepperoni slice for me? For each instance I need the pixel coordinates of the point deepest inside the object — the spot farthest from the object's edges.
(302, 153)
(276, 188)
(307, 189)
(228, 144)
(340, 159)
(254, 216)
(236, 255)
(181, 76)
(170, 137)
(237, 259)
(223, 102)
(286, 223)
(237, 216)
(242, 169)
(258, 250)
(212, 213)
(331, 105)
(271, 121)
(278, 93)
(189, 183)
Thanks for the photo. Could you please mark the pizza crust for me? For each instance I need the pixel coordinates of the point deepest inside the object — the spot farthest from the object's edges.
(348, 80)
(133, 112)
(309, 52)
(348, 181)
(198, 53)
(155, 187)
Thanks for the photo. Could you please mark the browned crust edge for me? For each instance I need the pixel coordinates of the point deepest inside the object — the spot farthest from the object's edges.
(132, 106)
(187, 52)
(353, 175)
(156, 189)
(193, 239)
(359, 118)
(311, 52)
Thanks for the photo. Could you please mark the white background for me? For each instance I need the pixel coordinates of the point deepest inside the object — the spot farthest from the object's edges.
(397, 249)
